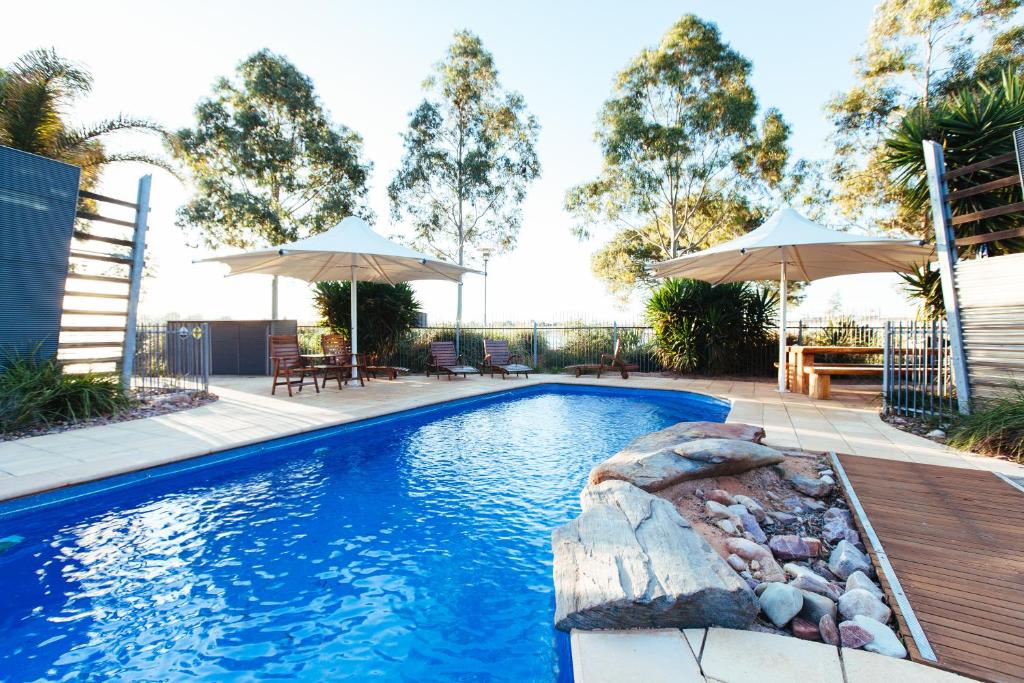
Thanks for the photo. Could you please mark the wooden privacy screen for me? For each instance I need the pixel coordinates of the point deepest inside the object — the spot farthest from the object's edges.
(991, 295)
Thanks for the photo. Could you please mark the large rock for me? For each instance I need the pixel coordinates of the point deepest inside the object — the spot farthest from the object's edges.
(793, 547)
(859, 602)
(630, 560)
(883, 641)
(860, 580)
(846, 559)
(816, 606)
(688, 450)
(781, 602)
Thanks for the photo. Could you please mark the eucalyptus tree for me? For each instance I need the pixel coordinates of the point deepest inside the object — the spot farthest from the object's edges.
(687, 160)
(469, 158)
(36, 93)
(917, 53)
(267, 163)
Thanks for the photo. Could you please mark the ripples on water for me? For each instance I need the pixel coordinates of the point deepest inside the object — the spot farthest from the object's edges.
(415, 549)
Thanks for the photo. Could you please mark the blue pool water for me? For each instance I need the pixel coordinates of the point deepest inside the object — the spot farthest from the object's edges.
(414, 547)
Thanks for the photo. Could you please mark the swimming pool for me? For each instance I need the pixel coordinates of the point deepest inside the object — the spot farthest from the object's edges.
(411, 547)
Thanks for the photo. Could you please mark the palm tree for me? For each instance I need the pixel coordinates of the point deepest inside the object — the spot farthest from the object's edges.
(36, 92)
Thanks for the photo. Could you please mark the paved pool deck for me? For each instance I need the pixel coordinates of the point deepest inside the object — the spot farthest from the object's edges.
(246, 413)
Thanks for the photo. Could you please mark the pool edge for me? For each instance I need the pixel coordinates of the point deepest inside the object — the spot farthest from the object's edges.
(51, 481)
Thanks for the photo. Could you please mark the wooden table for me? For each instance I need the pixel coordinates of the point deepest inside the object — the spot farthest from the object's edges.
(799, 357)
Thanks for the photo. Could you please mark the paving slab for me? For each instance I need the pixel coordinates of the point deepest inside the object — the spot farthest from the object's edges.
(732, 656)
(655, 656)
(868, 667)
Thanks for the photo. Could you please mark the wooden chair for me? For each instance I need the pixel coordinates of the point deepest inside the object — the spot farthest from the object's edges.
(444, 359)
(342, 365)
(289, 363)
(497, 357)
(609, 361)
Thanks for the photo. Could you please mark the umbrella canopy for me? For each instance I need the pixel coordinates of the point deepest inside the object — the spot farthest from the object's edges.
(351, 250)
(790, 247)
(333, 254)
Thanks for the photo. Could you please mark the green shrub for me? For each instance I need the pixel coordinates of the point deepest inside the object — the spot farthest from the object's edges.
(713, 330)
(996, 428)
(386, 313)
(37, 393)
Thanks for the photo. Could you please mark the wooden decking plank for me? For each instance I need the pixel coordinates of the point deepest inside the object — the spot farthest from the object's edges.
(950, 537)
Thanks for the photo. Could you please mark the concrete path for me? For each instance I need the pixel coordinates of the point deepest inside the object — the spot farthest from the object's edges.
(719, 655)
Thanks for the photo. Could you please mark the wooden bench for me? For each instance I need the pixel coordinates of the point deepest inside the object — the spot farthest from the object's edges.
(821, 376)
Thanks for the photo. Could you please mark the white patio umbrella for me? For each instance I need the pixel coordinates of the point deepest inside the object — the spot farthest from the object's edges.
(791, 247)
(351, 250)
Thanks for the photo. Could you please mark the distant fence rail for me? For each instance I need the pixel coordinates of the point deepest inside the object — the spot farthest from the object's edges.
(171, 357)
(917, 378)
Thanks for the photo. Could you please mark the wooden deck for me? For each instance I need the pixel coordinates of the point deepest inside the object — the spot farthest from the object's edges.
(956, 543)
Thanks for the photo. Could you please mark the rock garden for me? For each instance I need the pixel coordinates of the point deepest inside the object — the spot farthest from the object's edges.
(701, 524)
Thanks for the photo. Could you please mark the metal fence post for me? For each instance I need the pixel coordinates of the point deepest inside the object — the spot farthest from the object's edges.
(615, 333)
(886, 367)
(945, 250)
(535, 343)
(135, 284)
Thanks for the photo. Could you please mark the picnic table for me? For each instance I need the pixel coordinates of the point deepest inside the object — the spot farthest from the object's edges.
(807, 378)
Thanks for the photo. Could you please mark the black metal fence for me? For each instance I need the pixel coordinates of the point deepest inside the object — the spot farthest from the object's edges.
(171, 357)
(550, 347)
(918, 378)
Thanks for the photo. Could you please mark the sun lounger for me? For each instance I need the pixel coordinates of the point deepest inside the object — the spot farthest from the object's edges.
(443, 359)
(375, 368)
(609, 361)
(289, 363)
(341, 365)
(497, 358)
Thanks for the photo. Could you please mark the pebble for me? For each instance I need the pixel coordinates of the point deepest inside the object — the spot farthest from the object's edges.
(748, 550)
(883, 640)
(752, 506)
(783, 517)
(820, 568)
(720, 496)
(793, 547)
(847, 559)
(816, 606)
(828, 629)
(814, 505)
(727, 526)
(935, 434)
(835, 513)
(737, 562)
(815, 488)
(816, 584)
(862, 581)
(834, 531)
(826, 473)
(827, 479)
(805, 630)
(718, 511)
(859, 602)
(780, 603)
(854, 636)
(751, 526)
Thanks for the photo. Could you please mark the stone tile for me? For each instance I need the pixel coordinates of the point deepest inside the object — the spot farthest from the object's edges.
(732, 656)
(695, 637)
(656, 656)
(868, 667)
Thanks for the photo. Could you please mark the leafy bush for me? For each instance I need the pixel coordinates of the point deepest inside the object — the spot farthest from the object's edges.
(37, 393)
(386, 313)
(996, 428)
(713, 330)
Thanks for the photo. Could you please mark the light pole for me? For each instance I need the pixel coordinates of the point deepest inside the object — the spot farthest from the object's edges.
(486, 253)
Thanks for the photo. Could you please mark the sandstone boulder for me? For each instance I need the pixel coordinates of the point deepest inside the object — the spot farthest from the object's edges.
(630, 560)
(688, 450)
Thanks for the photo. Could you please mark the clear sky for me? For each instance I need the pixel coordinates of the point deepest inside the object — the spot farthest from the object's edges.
(367, 61)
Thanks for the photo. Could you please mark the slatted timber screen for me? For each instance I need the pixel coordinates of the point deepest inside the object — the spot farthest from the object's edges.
(37, 215)
(98, 300)
(987, 211)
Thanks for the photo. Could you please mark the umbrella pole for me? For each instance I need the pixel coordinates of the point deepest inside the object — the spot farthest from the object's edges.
(782, 325)
(354, 327)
